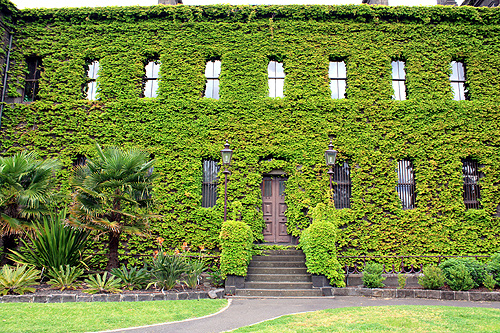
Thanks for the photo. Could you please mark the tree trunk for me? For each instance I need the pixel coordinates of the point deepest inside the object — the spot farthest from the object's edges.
(114, 242)
(9, 243)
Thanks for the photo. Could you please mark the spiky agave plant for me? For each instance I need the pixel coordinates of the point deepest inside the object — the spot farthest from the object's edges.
(17, 280)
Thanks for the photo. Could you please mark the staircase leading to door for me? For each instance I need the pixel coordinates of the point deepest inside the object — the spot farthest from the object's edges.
(278, 273)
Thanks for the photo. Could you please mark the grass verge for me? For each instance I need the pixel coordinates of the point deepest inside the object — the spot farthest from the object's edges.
(96, 316)
(406, 318)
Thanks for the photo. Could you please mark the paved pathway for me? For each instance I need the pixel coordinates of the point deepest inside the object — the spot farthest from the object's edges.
(243, 312)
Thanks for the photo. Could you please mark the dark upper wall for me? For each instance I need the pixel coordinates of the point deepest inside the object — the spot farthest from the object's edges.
(481, 3)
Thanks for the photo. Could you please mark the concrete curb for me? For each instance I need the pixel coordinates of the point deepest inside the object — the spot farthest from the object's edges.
(66, 298)
(472, 296)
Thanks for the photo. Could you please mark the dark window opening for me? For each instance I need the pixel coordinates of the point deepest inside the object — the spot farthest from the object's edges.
(342, 187)
(406, 184)
(79, 160)
(471, 175)
(31, 86)
(92, 75)
(209, 186)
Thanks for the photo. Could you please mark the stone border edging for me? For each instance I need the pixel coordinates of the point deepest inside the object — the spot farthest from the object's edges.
(473, 296)
(69, 298)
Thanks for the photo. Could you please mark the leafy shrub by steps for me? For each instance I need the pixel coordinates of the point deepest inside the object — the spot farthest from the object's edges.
(236, 242)
(454, 275)
(318, 243)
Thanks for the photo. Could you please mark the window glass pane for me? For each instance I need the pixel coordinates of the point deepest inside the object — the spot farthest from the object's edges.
(217, 65)
(93, 70)
(280, 83)
(398, 72)
(456, 91)
(280, 72)
(215, 92)
(333, 70)
(209, 89)
(334, 87)
(92, 90)
(152, 69)
(271, 69)
(272, 87)
(150, 89)
(342, 86)
(342, 72)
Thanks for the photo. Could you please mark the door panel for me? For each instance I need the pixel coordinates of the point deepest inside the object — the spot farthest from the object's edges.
(274, 207)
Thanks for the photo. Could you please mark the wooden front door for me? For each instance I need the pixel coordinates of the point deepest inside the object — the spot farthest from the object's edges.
(274, 207)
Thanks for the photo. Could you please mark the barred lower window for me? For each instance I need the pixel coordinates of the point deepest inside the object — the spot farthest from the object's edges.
(399, 80)
(406, 184)
(212, 73)
(80, 160)
(457, 81)
(471, 175)
(151, 79)
(338, 79)
(276, 79)
(92, 75)
(342, 187)
(209, 187)
(31, 86)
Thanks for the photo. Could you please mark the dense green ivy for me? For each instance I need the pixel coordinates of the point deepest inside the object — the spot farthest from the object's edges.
(369, 129)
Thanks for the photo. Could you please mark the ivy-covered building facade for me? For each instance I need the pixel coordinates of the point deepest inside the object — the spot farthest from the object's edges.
(408, 96)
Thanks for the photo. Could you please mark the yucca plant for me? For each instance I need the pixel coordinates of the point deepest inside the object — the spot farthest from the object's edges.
(103, 284)
(64, 277)
(17, 280)
(194, 268)
(167, 270)
(133, 278)
(53, 244)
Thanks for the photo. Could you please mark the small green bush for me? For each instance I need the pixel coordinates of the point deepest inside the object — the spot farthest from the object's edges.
(318, 243)
(215, 277)
(459, 278)
(64, 277)
(166, 270)
(236, 241)
(17, 280)
(433, 278)
(194, 268)
(372, 275)
(402, 280)
(489, 282)
(451, 271)
(132, 278)
(493, 267)
(103, 284)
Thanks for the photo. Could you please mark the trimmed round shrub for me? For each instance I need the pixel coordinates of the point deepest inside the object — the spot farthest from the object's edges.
(476, 270)
(372, 275)
(433, 278)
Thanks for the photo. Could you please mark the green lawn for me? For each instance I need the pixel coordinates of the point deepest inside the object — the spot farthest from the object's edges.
(386, 319)
(85, 317)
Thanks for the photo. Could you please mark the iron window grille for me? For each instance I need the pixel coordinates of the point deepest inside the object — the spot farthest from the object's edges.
(276, 79)
(209, 187)
(471, 176)
(457, 81)
(212, 73)
(406, 184)
(152, 70)
(398, 80)
(342, 187)
(31, 86)
(338, 79)
(92, 75)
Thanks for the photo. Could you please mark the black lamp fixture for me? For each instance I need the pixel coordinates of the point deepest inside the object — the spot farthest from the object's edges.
(330, 157)
(226, 160)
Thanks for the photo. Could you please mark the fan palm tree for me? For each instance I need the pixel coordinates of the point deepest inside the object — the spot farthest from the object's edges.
(26, 184)
(112, 195)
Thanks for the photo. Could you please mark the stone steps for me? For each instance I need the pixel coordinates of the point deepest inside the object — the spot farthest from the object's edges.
(278, 273)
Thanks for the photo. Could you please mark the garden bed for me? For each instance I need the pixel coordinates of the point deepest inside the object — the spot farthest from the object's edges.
(45, 294)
